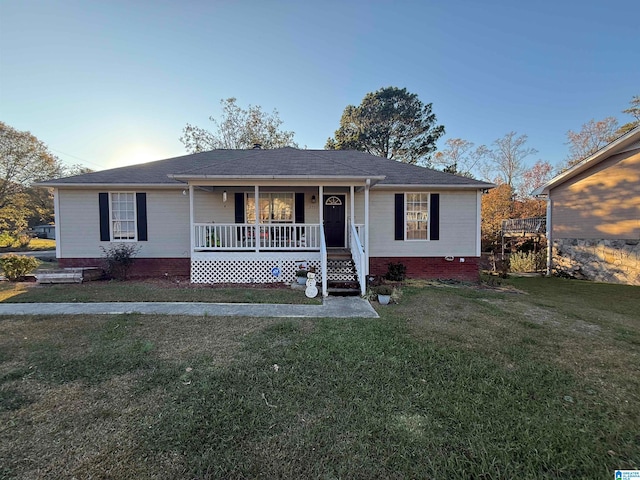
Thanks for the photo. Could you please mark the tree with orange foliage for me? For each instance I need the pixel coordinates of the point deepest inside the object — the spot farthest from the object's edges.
(497, 205)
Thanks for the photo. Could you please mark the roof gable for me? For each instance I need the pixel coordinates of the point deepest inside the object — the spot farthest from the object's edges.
(628, 141)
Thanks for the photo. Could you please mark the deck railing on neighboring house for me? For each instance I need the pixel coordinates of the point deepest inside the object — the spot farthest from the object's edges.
(246, 236)
(524, 226)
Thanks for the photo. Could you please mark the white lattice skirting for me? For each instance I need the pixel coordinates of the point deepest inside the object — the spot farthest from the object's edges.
(251, 267)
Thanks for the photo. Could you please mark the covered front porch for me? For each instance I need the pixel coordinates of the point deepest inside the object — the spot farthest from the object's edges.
(236, 239)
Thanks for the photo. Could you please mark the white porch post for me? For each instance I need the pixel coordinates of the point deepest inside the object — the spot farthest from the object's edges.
(366, 224)
(256, 198)
(353, 202)
(192, 221)
(321, 204)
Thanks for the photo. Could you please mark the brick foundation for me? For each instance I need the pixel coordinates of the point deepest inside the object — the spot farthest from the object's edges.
(430, 267)
(417, 267)
(141, 268)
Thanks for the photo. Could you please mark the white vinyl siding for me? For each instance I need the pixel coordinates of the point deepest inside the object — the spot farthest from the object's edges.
(458, 227)
(167, 224)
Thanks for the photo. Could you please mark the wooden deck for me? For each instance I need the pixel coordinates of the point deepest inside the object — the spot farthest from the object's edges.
(524, 227)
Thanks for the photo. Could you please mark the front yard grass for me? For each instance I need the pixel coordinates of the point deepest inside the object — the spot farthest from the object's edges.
(452, 382)
(35, 244)
(147, 291)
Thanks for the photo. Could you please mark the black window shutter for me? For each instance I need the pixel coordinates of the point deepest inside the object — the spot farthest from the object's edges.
(239, 207)
(399, 216)
(141, 211)
(299, 208)
(435, 216)
(103, 203)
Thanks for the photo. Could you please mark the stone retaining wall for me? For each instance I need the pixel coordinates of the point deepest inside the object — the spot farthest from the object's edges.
(613, 261)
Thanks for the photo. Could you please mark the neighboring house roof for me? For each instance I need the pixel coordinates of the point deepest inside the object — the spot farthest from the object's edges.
(281, 163)
(628, 141)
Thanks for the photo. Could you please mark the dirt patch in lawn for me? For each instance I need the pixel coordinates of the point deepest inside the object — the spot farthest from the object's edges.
(184, 337)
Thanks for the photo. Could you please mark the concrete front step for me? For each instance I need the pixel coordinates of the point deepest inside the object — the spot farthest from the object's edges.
(343, 288)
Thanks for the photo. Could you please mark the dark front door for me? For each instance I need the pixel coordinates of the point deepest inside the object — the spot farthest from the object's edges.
(334, 214)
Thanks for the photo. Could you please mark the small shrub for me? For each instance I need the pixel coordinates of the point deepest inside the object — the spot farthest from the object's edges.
(396, 295)
(6, 239)
(119, 258)
(16, 267)
(383, 290)
(396, 272)
(528, 262)
(302, 273)
(370, 294)
(23, 240)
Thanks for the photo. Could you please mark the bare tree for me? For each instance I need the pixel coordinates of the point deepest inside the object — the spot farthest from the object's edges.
(536, 176)
(592, 137)
(238, 128)
(458, 157)
(634, 111)
(505, 161)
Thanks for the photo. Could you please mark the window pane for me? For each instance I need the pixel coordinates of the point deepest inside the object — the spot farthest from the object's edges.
(265, 208)
(282, 207)
(274, 207)
(251, 208)
(417, 211)
(123, 216)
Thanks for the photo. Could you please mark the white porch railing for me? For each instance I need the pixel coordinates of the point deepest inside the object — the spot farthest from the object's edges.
(245, 236)
(323, 262)
(360, 230)
(357, 253)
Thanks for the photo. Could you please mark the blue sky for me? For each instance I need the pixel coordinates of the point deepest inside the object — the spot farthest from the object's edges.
(110, 83)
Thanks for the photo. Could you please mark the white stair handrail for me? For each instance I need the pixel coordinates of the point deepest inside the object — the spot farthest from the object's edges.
(357, 253)
(323, 262)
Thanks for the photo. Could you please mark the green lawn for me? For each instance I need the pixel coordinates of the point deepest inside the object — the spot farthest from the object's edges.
(453, 382)
(147, 291)
(35, 244)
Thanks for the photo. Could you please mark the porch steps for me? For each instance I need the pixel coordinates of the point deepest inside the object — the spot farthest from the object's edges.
(70, 275)
(342, 279)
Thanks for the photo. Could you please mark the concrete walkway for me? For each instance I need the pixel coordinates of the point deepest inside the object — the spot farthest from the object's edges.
(332, 307)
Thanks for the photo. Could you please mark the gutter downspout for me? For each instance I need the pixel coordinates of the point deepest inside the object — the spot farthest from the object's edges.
(56, 217)
(549, 236)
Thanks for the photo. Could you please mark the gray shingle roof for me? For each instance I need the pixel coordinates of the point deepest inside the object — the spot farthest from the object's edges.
(281, 162)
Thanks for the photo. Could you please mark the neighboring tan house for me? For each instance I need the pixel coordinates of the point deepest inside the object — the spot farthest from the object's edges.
(593, 215)
(196, 215)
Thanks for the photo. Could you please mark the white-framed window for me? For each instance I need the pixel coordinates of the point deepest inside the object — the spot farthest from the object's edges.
(274, 207)
(122, 215)
(416, 216)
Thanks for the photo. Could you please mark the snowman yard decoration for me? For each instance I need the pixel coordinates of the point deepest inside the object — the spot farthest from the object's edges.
(311, 290)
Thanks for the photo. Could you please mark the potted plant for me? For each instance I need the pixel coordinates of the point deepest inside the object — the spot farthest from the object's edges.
(301, 276)
(384, 294)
